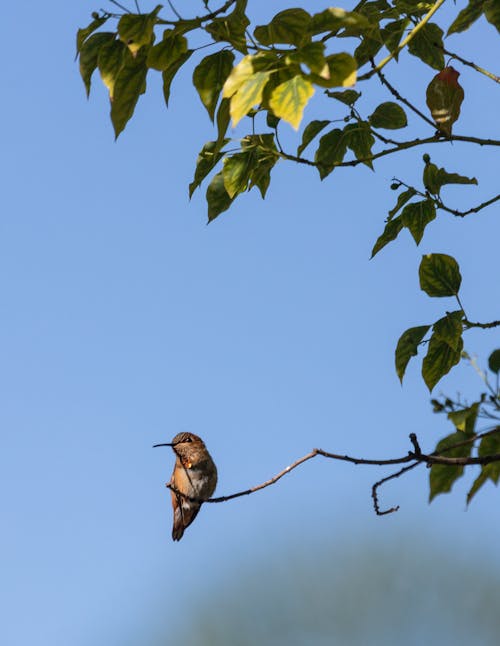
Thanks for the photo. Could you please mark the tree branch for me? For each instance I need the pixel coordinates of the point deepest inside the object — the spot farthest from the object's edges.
(481, 70)
(414, 458)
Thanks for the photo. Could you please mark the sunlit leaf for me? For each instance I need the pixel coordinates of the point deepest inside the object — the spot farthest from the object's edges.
(289, 99)
(248, 95)
(464, 420)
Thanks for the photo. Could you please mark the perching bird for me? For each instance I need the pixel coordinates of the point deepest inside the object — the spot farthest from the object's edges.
(444, 98)
(194, 475)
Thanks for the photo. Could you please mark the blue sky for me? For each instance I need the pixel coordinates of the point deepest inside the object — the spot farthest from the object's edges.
(125, 319)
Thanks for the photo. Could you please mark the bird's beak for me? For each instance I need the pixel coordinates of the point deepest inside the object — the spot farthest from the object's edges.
(168, 444)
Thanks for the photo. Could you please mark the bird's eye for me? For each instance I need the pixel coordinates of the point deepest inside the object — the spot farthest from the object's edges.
(189, 439)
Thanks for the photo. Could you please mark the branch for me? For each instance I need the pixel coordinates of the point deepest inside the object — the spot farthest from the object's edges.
(474, 209)
(404, 42)
(404, 145)
(483, 326)
(414, 457)
(481, 70)
(398, 96)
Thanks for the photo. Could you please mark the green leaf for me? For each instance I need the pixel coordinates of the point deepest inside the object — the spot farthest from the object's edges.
(401, 201)
(416, 216)
(110, 61)
(311, 55)
(207, 159)
(393, 32)
(236, 172)
(449, 329)
(408, 347)
(464, 420)
(217, 197)
(290, 27)
(209, 77)
(222, 120)
(310, 131)
(390, 233)
(349, 97)
(334, 19)
(443, 476)
(169, 74)
(490, 445)
(331, 151)
(439, 360)
(360, 140)
(494, 361)
(466, 17)
(341, 72)
(439, 275)
(492, 13)
(266, 156)
(427, 44)
(129, 85)
(435, 178)
(367, 50)
(89, 53)
(232, 28)
(388, 115)
(170, 49)
(83, 34)
(289, 99)
(136, 30)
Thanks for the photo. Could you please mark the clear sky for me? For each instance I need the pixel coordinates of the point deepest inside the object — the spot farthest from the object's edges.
(125, 319)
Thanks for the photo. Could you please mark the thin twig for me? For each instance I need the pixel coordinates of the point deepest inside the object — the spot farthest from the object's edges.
(484, 326)
(120, 5)
(474, 209)
(378, 484)
(174, 10)
(398, 96)
(479, 69)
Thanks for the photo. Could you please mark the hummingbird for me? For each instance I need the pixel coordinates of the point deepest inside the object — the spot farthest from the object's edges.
(194, 475)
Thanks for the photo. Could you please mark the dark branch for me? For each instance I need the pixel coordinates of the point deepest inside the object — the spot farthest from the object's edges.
(479, 69)
(414, 458)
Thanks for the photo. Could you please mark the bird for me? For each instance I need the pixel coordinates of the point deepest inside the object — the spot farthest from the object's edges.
(194, 477)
